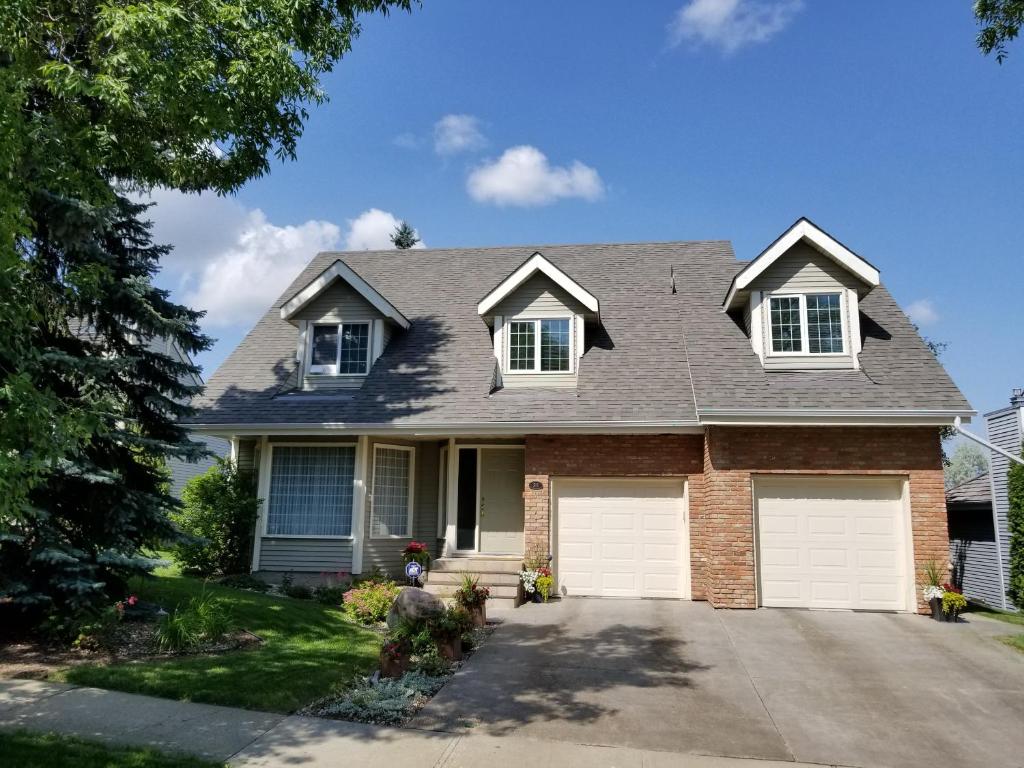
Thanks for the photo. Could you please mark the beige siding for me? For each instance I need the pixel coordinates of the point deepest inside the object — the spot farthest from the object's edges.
(387, 553)
(539, 296)
(803, 269)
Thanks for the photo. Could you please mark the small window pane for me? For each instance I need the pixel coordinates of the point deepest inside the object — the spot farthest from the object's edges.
(824, 324)
(390, 492)
(554, 345)
(785, 324)
(355, 346)
(311, 491)
(325, 344)
(522, 346)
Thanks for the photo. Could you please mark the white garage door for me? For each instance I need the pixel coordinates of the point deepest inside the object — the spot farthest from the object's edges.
(622, 537)
(832, 542)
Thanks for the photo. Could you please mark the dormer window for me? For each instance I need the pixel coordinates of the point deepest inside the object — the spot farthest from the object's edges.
(807, 324)
(340, 349)
(540, 346)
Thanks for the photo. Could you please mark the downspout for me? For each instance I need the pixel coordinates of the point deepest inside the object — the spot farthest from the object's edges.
(995, 520)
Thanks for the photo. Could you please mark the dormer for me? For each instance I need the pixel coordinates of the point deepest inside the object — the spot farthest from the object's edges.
(538, 316)
(343, 325)
(800, 301)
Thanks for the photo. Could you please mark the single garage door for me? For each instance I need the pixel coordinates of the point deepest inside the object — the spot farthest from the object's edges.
(832, 542)
(622, 537)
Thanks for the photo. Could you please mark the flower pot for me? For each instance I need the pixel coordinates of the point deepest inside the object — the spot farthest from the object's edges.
(478, 613)
(450, 647)
(952, 616)
(536, 596)
(391, 666)
(936, 605)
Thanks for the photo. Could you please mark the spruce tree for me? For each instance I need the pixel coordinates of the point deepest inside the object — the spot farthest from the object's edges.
(81, 533)
(404, 236)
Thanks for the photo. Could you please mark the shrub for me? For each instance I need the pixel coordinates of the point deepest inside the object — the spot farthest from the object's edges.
(386, 701)
(370, 602)
(432, 664)
(218, 520)
(451, 622)
(204, 619)
(329, 594)
(98, 629)
(1015, 488)
(416, 634)
(953, 602)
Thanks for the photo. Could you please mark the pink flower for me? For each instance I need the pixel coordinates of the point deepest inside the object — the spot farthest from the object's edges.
(132, 600)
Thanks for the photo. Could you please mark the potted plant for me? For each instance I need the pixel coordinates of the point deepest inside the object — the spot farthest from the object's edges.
(544, 583)
(471, 596)
(933, 591)
(394, 657)
(416, 552)
(446, 628)
(953, 602)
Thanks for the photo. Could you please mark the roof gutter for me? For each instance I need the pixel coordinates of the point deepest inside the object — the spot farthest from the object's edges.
(830, 417)
(982, 441)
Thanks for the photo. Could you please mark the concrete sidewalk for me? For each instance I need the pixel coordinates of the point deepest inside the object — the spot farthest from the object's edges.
(260, 740)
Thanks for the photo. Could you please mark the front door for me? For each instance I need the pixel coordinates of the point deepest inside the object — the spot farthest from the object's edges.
(501, 500)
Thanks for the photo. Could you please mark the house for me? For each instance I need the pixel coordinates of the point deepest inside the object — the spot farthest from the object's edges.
(973, 550)
(660, 419)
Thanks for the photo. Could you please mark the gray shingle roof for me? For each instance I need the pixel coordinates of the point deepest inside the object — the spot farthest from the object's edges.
(638, 368)
(978, 490)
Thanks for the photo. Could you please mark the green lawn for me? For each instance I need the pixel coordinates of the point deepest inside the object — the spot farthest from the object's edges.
(1014, 641)
(308, 650)
(35, 750)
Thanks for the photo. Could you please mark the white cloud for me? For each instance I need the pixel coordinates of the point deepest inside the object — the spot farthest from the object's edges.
(731, 24)
(458, 133)
(523, 176)
(234, 263)
(371, 231)
(923, 312)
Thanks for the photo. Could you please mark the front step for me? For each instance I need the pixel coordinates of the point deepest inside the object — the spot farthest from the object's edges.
(499, 574)
(449, 590)
(486, 579)
(476, 565)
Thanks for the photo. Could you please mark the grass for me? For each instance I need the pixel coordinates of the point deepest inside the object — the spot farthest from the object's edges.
(308, 650)
(41, 750)
(1014, 641)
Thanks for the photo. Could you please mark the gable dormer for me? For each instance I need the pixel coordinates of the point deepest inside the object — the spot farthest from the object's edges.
(343, 325)
(538, 317)
(800, 301)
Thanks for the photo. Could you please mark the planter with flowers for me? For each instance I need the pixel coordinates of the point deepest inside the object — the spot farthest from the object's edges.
(473, 598)
(934, 590)
(447, 628)
(416, 552)
(394, 657)
(537, 581)
(953, 602)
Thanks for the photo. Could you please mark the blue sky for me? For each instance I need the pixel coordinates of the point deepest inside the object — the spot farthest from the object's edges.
(677, 120)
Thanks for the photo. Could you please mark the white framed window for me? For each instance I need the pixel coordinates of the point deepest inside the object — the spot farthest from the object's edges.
(310, 490)
(339, 349)
(392, 499)
(806, 324)
(542, 345)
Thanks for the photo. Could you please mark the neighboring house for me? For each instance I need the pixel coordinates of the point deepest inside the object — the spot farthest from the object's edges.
(1006, 431)
(661, 419)
(973, 550)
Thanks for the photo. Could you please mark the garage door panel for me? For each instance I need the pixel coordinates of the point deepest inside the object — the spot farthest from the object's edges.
(637, 530)
(836, 542)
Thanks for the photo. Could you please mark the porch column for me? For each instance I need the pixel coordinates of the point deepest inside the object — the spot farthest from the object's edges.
(359, 501)
(452, 499)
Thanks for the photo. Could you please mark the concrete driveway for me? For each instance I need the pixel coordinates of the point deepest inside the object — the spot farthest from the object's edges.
(855, 689)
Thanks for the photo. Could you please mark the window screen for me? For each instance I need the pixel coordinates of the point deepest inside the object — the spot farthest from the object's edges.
(311, 491)
(824, 323)
(554, 345)
(785, 324)
(391, 476)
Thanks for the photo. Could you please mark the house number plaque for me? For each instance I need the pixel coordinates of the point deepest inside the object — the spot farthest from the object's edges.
(536, 485)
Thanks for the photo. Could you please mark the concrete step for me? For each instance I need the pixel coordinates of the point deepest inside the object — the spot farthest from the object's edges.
(486, 578)
(493, 603)
(448, 590)
(477, 564)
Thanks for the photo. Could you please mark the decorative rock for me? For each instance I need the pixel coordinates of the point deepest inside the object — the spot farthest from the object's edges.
(413, 604)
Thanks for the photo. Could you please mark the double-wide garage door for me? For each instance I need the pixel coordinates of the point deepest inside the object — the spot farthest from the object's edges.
(832, 542)
(622, 537)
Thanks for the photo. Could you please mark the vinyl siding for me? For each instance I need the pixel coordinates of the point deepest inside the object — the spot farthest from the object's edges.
(183, 471)
(387, 553)
(309, 555)
(338, 303)
(804, 270)
(247, 461)
(1004, 431)
(973, 553)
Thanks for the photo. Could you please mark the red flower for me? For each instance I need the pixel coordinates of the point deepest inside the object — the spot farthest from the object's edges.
(415, 548)
(952, 588)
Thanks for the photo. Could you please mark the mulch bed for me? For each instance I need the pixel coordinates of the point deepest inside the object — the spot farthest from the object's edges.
(132, 642)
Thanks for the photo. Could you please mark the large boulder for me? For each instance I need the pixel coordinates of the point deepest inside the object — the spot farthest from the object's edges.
(413, 604)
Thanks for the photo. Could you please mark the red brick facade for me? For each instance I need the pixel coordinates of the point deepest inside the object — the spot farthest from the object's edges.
(719, 466)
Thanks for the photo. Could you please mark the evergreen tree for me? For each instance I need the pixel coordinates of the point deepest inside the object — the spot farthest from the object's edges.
(79, 534)
(404, 236)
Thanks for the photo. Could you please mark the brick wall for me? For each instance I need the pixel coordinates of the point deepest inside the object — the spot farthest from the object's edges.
(732, 454)
(610, 456)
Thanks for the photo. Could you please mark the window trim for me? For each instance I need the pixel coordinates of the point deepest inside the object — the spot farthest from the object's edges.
(411, 450)
(270, 469)
(324, 370)
(536, 370)
(805, 340)
(442, 492)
